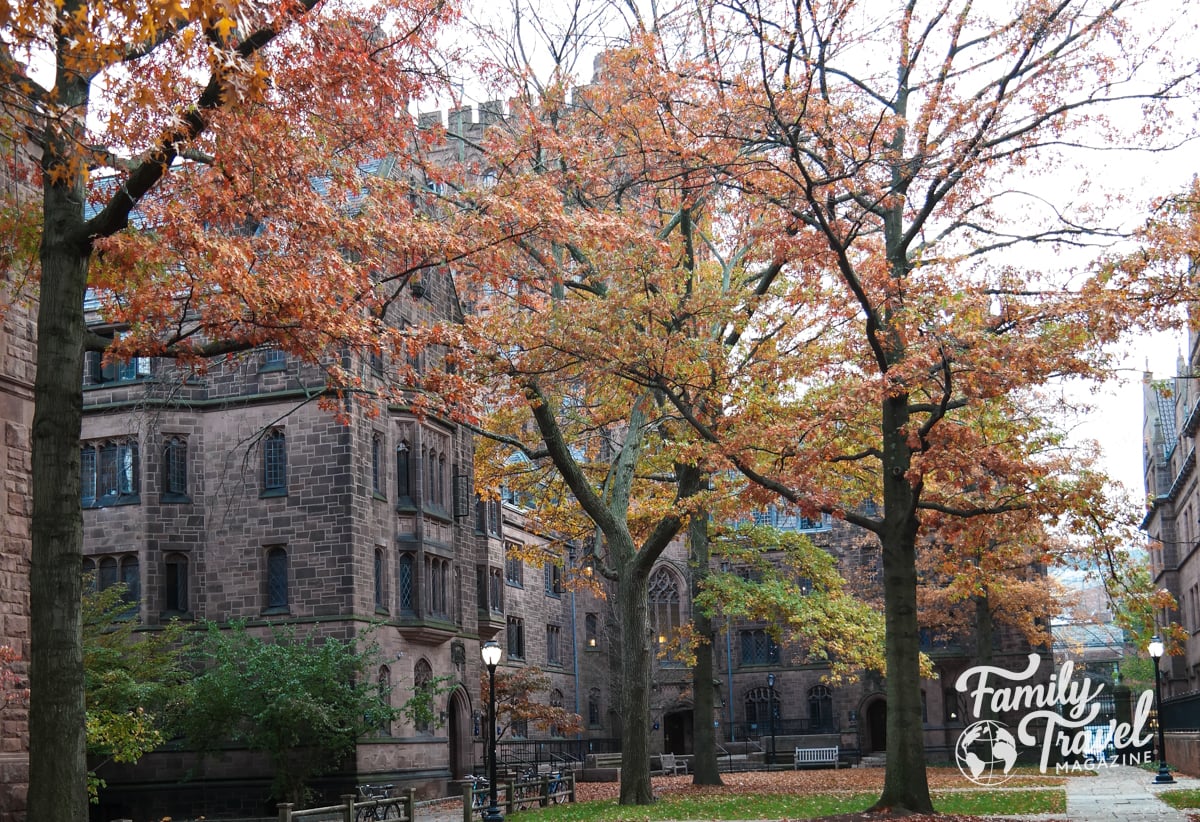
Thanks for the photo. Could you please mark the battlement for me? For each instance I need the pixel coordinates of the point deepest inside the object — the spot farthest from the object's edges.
(465, 121)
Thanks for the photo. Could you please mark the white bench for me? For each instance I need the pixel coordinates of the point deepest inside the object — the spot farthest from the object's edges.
(816, 756)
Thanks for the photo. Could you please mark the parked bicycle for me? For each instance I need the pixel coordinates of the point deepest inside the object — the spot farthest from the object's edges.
(479, 791)
(368, 793)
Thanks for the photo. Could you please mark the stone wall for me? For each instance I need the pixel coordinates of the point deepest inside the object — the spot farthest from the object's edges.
(17, 364)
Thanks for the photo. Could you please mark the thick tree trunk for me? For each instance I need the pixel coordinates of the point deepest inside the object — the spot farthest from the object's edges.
(704, 735)
(634, 610)
(906, 784)
(57, 737)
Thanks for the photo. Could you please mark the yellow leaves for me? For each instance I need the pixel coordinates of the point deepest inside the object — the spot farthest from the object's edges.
(224, 26)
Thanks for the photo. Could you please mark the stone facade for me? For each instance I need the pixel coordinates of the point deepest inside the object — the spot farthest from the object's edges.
(1171, 417)
(230, 494)
(17, 363)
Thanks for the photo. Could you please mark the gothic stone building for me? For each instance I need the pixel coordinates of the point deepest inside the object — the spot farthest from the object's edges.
(231, 496)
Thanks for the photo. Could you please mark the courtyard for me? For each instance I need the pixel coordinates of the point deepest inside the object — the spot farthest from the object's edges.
(1116, 794)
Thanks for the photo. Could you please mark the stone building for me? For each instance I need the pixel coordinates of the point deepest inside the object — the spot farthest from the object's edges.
(1171, 416)
(229, 495)
(17, 347)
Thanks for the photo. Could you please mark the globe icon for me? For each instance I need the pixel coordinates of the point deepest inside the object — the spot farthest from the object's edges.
(986, 752)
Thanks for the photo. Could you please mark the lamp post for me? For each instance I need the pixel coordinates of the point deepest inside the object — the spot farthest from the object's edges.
(1156, 649)
(491, 658)
(771, 715)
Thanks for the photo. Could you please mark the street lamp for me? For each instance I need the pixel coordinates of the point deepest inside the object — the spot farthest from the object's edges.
(491, 658)
(771, 715)
(1156, 648)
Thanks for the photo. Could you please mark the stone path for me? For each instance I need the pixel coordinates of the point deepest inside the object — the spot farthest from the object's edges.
(1123, 793)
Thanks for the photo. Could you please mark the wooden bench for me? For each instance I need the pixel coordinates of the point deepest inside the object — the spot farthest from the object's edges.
(816, 756)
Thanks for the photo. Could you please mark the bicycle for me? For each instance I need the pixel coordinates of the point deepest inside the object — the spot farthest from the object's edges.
(479, 792)
(556, 788)
(369, 793)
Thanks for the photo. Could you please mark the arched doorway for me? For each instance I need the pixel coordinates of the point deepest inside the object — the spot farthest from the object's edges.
(458, 731)
(677, 732)
(876, 727)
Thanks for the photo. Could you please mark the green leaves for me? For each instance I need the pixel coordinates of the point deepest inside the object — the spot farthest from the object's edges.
(782, 579)
(303, 700)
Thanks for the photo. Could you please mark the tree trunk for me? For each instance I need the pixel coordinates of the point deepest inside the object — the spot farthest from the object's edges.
(57, 737)
(704, 736)
(906, 784)
(634, 610)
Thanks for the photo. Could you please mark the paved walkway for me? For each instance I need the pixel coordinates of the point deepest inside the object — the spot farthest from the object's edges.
(1122, 793)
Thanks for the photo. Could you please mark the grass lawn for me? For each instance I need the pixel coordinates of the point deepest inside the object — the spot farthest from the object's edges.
(787, 806)
(1181, 799)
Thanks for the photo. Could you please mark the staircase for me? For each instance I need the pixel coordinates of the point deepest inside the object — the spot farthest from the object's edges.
(875, 760)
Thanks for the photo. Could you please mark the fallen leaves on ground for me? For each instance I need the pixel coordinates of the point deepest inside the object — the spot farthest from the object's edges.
(851, 780)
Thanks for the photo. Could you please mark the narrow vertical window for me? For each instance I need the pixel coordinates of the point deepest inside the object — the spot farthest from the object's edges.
(127, 469)
(132, 578)
(422, 677)
(405, 583)
(430, 471)
(553, 636)
(376, 468)
(516, 637)
(820, 708)
(380, 596)
(109, 573)
(480, 516)
(176, 593)
(275, 463)
(403, 472)
(495, 591)
(591, 630)
(277, 578)
(593, 708)
(87, 474)
(106, 476)
(664, 609)
(175, 468)
(385, 696)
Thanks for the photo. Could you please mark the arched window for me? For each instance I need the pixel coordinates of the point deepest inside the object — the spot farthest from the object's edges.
(758, 707)
(274, 463)
(277, 578)
(131, 576)
(109, 572)
(591, 635)
(664, 611)
(403, 471)
(820, 709)
(175, 594)
(556, 701)
(422, 677)
(385, 696)
(405, 581)
(89, 568)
